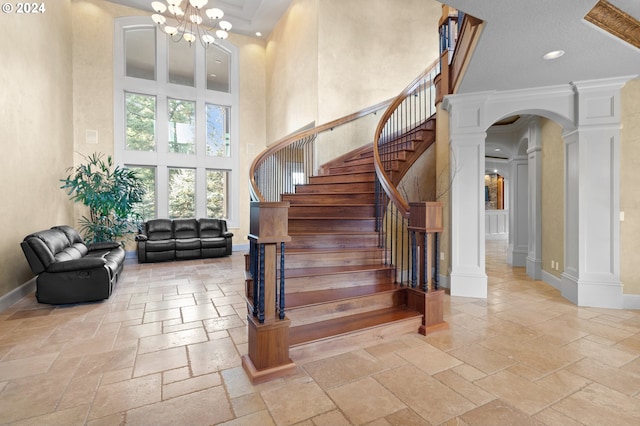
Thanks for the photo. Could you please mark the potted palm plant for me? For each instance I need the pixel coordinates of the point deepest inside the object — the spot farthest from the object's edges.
(110, 192)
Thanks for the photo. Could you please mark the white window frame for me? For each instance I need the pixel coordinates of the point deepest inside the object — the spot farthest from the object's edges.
(162, 90)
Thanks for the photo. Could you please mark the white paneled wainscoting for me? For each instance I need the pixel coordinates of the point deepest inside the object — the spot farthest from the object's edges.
(496, 224)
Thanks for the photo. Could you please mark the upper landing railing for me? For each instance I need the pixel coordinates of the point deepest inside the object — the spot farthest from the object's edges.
(291, 160)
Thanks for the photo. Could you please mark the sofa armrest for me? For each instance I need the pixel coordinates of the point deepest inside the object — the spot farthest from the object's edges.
(77, 264)
(227, 234)
(104, 245)
(141, 237)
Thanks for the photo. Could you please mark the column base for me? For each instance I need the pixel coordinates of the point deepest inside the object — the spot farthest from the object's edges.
(431, 306)
(516, 257)
(268, 356)
(469, 285)
(534, 268)
(259, 376)
(592, 294)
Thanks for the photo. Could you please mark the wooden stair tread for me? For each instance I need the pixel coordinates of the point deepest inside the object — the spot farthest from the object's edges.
(331, 270)
(350, 218)
(338, 326)
(330, 232)
(330, 250)
(305, 194)
(328, 205)
(306, 298)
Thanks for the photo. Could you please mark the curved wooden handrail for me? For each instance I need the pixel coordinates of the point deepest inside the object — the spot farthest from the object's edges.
(291, 139)
(385, 181)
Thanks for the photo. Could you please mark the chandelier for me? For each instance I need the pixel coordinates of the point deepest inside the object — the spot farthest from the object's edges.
(190, 21)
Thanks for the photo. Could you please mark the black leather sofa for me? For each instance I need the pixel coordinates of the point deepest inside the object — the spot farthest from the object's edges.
(68, 270)
(172, 239)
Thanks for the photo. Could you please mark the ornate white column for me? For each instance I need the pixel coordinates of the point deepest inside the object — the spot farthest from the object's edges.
(467, 136)
(518, 212)
(534, 231)
(592, 197)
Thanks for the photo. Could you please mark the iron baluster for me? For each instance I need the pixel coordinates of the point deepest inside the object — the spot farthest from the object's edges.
(425, 275)
(436, 262)
(414, 265)
(281, 304)
(261, 287)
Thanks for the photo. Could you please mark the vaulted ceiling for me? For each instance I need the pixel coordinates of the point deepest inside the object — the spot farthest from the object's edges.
(517, 33)
(246, 16)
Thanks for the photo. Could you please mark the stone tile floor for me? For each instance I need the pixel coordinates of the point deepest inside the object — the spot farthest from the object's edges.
(166, 347)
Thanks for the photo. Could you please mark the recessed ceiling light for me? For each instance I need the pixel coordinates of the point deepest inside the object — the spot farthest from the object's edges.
(497, 149)
(212, 75)
(258, 33)
(495, 170)
(554, 54)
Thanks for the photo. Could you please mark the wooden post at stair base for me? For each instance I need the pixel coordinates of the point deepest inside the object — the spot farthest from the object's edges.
(268, 356)
(425, 218)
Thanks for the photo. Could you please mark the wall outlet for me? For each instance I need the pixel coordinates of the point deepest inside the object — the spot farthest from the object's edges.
(441, 255)
(553, 264)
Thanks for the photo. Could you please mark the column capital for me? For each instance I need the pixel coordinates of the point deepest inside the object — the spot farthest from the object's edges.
(598, 101)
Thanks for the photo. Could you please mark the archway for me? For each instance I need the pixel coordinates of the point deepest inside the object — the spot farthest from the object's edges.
(588, 113)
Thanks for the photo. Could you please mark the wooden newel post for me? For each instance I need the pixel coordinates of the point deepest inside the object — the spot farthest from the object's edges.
(268, 327)
(425, 219)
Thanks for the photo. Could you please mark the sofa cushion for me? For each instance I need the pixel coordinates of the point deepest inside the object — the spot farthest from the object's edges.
(185, 228)
(40, 248)
(187, 244)
(213, 242)
(71, 234)
(161, 245)
(211, 228)
(75, 240)
(159, 229)
(69, 253)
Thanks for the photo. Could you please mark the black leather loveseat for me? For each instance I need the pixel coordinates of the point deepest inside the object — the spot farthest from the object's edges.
(68, 270)
(172, 239)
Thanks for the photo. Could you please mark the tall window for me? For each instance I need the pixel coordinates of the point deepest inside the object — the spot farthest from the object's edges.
(176, 121)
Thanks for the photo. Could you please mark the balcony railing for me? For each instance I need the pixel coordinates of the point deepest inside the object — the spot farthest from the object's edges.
(292, 160)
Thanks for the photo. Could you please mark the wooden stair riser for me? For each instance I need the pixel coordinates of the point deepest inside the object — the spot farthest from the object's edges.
(308, 351)
(317, 225)
(359, 161)
(339, 308)
(333, 281)
(350, 198)
(337, 178)
(332, 241)
(352, 168)
(328, 188)
(297, 211)
(400, 155)
(333, 259)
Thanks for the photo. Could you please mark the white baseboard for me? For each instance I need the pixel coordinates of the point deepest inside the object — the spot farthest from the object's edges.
(444, 282)
(17, 293)
(552, 280)
(497, 237)
(631, 301)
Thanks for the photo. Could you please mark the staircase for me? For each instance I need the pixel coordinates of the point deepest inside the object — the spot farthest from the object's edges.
(348, 276)
(340, 287)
